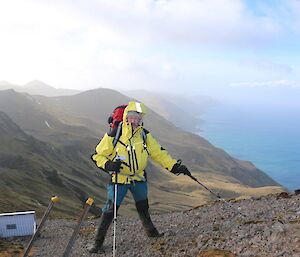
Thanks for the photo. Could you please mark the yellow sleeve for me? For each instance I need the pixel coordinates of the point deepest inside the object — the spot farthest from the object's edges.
(103, 151)
(159, 154)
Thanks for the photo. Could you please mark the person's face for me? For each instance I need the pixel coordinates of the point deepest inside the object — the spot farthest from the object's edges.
(134, 119)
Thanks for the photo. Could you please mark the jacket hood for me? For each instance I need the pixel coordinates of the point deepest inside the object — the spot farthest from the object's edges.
(132, 106)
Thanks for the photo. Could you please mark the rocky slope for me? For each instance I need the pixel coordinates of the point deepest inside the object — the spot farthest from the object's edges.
(263, 226)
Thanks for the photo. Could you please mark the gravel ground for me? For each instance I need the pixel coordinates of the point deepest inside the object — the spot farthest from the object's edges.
(265, 226)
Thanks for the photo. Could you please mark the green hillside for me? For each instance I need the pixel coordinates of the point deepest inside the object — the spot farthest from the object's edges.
(32, 171)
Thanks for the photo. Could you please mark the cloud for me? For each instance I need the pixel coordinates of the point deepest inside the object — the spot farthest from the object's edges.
(134, 42)
(122, 68)
(216, 22)
(267, 84)
(194, 22)
(132, 22)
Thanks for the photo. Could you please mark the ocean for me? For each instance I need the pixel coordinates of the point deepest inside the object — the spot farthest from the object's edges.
(268, 137)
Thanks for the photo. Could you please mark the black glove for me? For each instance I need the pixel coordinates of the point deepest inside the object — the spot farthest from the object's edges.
(113, 166)
(180, 169)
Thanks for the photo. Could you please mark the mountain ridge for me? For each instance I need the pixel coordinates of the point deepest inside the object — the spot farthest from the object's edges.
(76, 124)
(37, 87)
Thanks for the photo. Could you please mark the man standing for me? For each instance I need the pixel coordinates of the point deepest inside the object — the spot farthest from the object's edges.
(128, 157)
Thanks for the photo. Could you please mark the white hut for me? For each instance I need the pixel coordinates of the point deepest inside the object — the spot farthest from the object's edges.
(17, 224)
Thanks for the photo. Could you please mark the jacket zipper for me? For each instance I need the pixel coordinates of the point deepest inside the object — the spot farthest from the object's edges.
(135, 157)
(133, 166)
(129, 157)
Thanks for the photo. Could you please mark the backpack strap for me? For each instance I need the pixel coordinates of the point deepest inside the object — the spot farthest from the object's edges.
(116, 140)
(144, 136)
(118, 134)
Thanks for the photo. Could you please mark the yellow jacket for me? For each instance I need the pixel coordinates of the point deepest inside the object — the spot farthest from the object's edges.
(131, 149)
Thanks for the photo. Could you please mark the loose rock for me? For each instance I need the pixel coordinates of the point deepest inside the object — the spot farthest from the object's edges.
(268, 226)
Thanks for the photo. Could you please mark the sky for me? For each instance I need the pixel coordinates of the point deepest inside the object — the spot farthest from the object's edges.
(210, 47)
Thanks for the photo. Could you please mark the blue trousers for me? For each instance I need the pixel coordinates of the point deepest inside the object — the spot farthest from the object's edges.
(139, 191)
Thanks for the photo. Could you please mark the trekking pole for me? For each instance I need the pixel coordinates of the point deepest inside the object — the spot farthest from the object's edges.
(209, 190)
(120, 159)
(54, 199)
(85, 210)
(115, 214)
(217, 195)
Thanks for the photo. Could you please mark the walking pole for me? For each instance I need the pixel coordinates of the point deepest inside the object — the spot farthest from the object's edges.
(115, 214)
(85, 210)
(212, 192)
(54, 199)
(215, 194)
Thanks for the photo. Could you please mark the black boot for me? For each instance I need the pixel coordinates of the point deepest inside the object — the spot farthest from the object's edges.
(143, 211)
(105, 222)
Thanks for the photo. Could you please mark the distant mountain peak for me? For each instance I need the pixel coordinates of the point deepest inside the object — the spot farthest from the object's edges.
(38, 84)
(38, 87)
